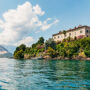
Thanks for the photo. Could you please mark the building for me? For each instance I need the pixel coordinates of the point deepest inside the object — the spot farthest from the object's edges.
(78, 32)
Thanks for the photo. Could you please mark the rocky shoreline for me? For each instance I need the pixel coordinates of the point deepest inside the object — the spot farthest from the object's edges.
(66, 58)
(57, 58)
(47, 57)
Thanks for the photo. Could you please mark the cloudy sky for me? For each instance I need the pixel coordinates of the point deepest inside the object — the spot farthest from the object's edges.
(24, 21)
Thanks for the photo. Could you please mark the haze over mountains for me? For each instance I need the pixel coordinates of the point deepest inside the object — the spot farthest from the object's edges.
(4, 52)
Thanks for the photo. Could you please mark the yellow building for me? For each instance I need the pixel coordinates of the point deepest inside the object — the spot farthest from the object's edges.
(78, 32)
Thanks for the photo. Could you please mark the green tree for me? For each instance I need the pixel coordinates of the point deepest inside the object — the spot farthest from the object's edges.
(64, 32)
(34, 45)
(75, 38)
(61, 50)
(22, 47)
(19, 54)
(50, 43)
(51, 52)
(87, 53)
(41, 40)
(69, 39)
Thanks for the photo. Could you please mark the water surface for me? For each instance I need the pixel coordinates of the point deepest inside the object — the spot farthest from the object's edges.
(44, 74)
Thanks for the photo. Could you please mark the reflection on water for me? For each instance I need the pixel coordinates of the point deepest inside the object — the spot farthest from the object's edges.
(44, 75)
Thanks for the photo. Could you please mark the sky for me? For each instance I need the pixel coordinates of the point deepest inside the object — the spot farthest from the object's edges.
(24, 21)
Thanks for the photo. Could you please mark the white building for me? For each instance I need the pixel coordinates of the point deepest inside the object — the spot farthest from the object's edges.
(78, 32)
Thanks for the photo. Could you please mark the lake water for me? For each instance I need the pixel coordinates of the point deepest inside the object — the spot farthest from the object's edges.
(44, 75)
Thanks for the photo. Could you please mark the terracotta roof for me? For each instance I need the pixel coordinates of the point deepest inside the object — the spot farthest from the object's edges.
(71, 29)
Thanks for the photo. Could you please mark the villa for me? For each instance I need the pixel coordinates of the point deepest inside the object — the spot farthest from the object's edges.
(78, 32)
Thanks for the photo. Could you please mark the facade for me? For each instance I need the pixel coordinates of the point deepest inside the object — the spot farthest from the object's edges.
(78, 32)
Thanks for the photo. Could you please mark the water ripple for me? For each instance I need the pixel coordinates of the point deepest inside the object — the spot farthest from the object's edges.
(44, 75)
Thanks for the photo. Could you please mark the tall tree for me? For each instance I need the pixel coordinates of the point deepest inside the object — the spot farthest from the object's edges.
(41, 40)
(50, 43)
(64, 32)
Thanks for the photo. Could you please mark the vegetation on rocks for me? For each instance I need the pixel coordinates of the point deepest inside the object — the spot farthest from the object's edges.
(68, 48)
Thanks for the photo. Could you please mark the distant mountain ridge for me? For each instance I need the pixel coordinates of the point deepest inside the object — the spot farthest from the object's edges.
(4, 52)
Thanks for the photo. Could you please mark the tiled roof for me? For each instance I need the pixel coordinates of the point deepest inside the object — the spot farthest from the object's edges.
(75, 28)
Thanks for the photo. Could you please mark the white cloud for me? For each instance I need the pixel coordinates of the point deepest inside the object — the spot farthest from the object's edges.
(38, 11)
(17, 24)
(45, 24)
(26, 41)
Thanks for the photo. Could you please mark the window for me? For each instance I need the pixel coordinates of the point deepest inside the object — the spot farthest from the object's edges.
(75, 33)
(54, 37)
(69, 34)
(65, 35)
(80, 31)
(87, 31)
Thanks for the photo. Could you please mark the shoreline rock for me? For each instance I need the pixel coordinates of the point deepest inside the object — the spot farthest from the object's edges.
(66, 58)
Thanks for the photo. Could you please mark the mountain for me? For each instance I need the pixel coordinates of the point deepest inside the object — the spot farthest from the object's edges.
(4, 52)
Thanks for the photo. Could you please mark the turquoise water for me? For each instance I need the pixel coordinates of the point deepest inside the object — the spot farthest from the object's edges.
(44, 75)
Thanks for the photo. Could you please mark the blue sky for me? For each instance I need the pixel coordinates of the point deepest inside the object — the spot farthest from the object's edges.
(67, 13)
